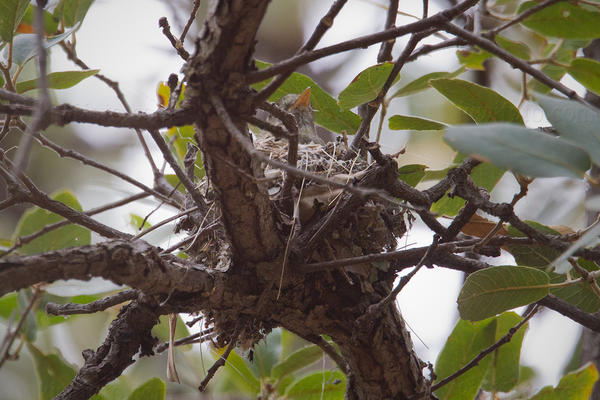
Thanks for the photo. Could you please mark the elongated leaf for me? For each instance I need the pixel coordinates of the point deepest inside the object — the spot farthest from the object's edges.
(365, 86)
(152, 389)
(480, 103)
(36, 218)
(403, 122)
(422, 83)
(11, 12)
(563, 20)
(519, 149)
(327, 385)
(577, 385)
(297, 360)
(58, 80)
(504, 371)
(71, 12)
(587, 72)
(575, 122)
(327, 112)
(496, 289)
(412, 173)
(556, 72)
(464, 343)
(580, 295)
(517, 49)
(53, 372)
(533, 255)
(8, 304)
(238, 373)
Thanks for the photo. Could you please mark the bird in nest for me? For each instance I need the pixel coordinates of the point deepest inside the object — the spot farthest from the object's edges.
(299, 106)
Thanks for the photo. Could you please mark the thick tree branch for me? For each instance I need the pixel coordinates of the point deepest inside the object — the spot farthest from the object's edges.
(135, 264)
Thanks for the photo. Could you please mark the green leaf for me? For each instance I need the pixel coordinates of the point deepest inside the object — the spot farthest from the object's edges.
(581, 294)
(297, 360)
(473, 59)
(412, 173)
(504, 371)
(402, 122)
(587, 72)
(365, 86)
(71, 12)
(238, 374)
(11, 13)
(137, 221)
(327, 385)
(534, 255)
(8, 304)
(152, 389)
(563, 20)
(556, 72)
(577, 385)
(465, 342)
(575, 122)
(36, 218)
(524, 151)
(422, 83)
(54, 374)
(496, 289)
(58, 80)
(480, 103)
(517, 49)
(327, 112)
(116, 390)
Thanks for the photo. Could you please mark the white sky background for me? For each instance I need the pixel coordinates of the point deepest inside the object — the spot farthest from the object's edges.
(122, 38)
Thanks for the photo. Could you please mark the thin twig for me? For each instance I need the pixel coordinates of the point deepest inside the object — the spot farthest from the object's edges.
(385, 51)
(176, 43)
(164, 222)
(183, 178)
(199, 337)
(221, 361)
(94, 306)
(189, 21)
(360, 42)
(62, 152)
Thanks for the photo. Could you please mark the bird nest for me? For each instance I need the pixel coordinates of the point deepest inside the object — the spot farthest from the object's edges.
(373, 227)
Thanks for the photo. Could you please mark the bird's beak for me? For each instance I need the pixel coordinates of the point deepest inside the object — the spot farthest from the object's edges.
(303, 100)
